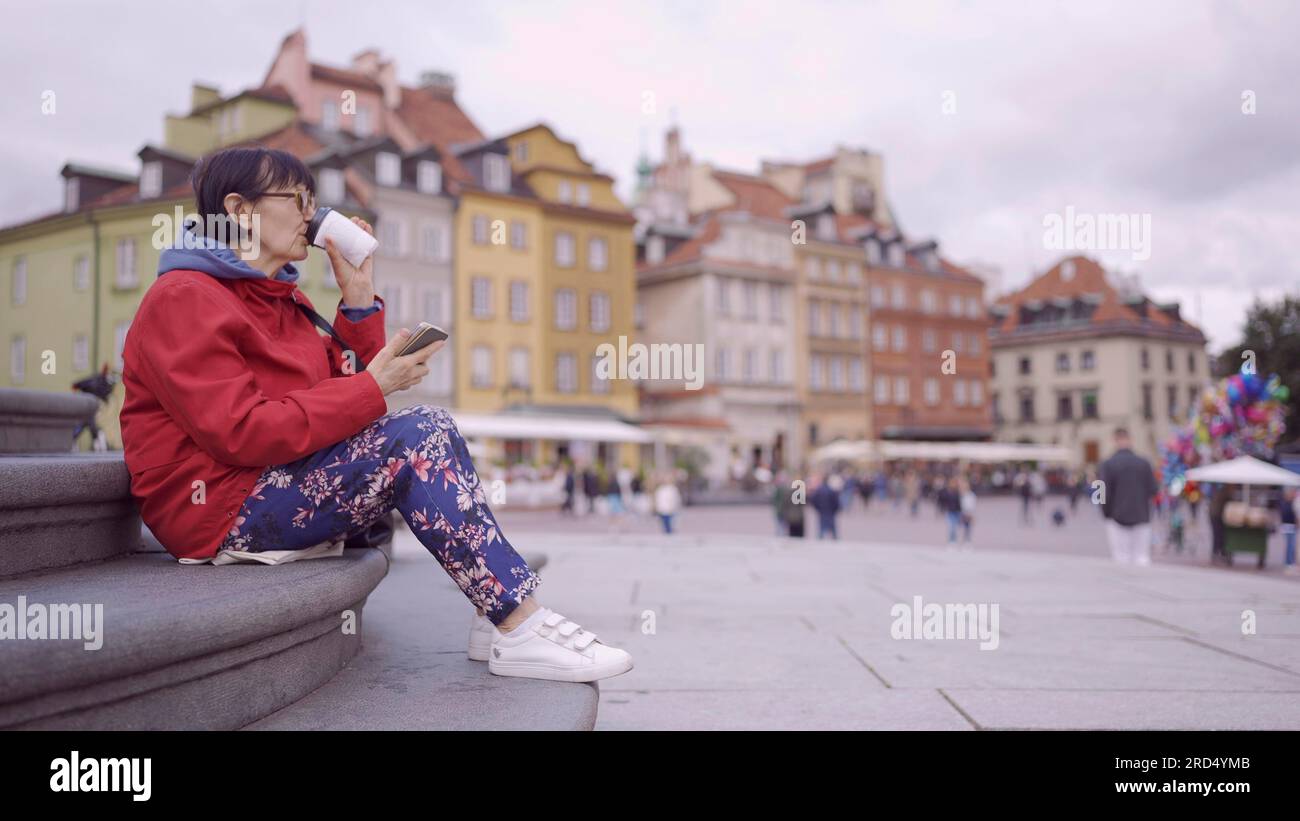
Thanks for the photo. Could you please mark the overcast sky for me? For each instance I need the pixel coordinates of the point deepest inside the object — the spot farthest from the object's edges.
(1123, 108)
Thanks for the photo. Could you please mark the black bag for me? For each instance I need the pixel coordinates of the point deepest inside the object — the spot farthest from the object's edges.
(380, 532)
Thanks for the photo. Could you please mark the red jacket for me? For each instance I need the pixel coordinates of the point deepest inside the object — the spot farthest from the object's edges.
(223, 378)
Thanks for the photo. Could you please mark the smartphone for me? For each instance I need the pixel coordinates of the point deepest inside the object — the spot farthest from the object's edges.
(423, 336)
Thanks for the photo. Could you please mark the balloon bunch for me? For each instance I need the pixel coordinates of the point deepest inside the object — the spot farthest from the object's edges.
(1240, 416)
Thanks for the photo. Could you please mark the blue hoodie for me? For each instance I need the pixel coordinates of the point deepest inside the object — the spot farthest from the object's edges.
(220, 260)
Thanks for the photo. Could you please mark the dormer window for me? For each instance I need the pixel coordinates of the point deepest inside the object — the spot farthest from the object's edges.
(584, 194)
(428, 177)
(151, 180)
(897, 255)
(331, 185)
(932, 261)
(388, 169)
(873, 252)
(564, 191)
(654, 250)
(71, 194)
(496, 172)
(521, 151)
(826, 227)
(361, 121)
(329, 115)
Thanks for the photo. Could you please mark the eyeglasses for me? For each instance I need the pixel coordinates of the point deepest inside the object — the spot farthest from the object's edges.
(305, 201)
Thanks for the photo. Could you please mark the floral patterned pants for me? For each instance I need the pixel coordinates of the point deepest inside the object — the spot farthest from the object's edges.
(413, 459)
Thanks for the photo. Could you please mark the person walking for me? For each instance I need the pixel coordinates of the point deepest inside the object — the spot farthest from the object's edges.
(1218, 503)
(791, 512)
(1130, 486)
(912, 491)
(826, 501)
(968, 500)
(1289, 516)
(668, 500)
(949, 501)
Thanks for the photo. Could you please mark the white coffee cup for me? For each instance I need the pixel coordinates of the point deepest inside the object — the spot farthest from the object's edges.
(350, 240)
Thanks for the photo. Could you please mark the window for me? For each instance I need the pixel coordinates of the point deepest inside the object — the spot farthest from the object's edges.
(724, 296)
(873, 252)
(900, 390)
(833, 270)
(749, 299)
(1193, 396)
(976, 344)
(898, 297)
(816, 379)
(900, 338)
(599, 384)
(388, 168)
(897, 255)
(18, 287)
(433, 305)
(654, 250)
(1027, 406)
(518, 301)
(776, 306)
(853, 272)
(972, 307)
(1087, 361)
(392, 237)
(521, 151)
(929, 303)
(428, 177)
(599, 310)
(879, 337)
(877, 296)
(566, 309)
(1171, 391)
(776, 365)
(837, 373)
(957, 340)
(17, 359)
(119, 342)
(151, 180)
(564, 192)
(496, 172)
(749, 366)
(520, 367)
(1169, 360)
(331, 185)
(480, 303)
(1064, 407)
(812, 267)
(976, 393)
(361, 121)
(814, 318)
(1191, 362)
(481, 366)
(959, 393)
(584, 194)
(72, 194)
(565, 249)
(518, 235)
(80, 353)
(1146, 360)
(1026, 366)
(329, 115)
(125, 276)
(929, 340)
(433, 244)
(857, 376)
(835, 325)
(392, 296)
(479, 229)
(881, 392)
(1148, 411)
(1063, 362)
(955, 305)
(931, 391)
(1089, 404)
(855, 322)
(597, 254)
(722, 364)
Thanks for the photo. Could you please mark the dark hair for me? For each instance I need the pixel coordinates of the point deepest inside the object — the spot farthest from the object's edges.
(1121, 432)
(248, 171)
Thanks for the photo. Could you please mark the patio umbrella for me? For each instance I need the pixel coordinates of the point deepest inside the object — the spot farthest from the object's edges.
(1245, 471)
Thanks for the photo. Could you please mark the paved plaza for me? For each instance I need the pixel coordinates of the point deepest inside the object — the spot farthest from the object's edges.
(733, 628)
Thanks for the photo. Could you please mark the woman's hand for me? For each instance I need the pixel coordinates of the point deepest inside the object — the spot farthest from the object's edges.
(397, 373)
(356, 284)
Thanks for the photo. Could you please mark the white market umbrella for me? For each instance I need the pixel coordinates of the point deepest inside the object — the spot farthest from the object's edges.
(1245, 471)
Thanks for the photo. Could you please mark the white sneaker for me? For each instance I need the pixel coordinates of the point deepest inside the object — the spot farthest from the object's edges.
(556, 649)
(480, 637)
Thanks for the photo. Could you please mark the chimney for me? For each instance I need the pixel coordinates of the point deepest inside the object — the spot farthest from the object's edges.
(367, 62)
(383, 72)
(201, 95)
(438, 83)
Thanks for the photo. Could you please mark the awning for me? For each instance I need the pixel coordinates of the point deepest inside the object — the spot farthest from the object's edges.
(1244, 470)
(863, 450)
(548, 426)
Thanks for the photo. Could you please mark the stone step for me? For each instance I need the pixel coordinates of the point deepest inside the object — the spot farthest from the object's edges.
(64, 509)
(41, 421)
(184, 646)
(413, 674)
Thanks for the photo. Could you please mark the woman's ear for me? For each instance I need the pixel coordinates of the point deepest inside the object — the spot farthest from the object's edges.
(239, 211)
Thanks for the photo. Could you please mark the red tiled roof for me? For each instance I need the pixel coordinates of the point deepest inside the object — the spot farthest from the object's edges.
(439, 121)
(344, 77)
(1089, 278)
(292, 138)
(754, 195)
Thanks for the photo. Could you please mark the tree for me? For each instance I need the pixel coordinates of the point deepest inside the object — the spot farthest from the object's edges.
(1272, 332)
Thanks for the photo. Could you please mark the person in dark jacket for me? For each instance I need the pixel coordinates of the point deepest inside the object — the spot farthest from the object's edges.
(1129, 485)
(1218, 502)
(826, 501)
(949, 501)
